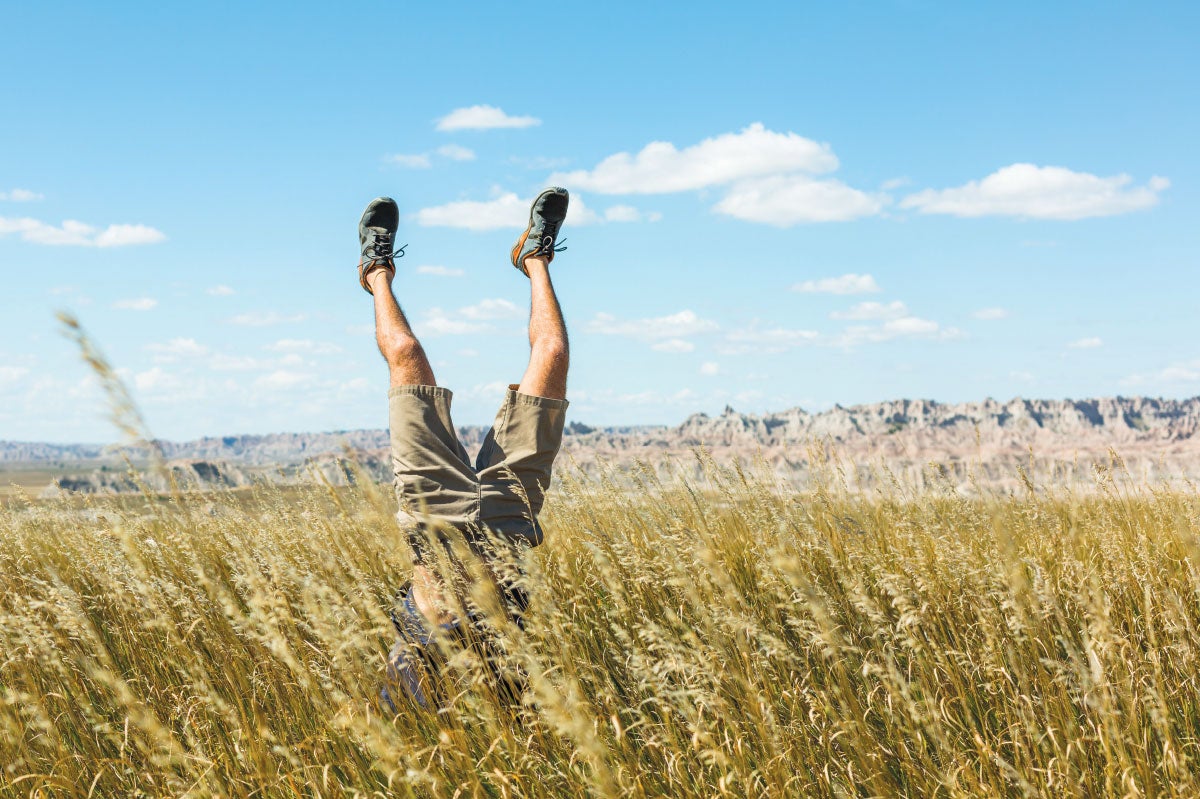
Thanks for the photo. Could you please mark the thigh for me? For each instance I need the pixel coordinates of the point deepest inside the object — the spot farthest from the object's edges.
(516, 462)
(433, 476)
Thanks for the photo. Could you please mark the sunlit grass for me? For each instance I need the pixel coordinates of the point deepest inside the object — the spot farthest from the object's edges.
(723, 636)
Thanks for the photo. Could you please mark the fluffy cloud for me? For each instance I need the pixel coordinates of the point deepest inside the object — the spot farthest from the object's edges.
(282, 380)
(674, 345)
(452, 152)
(491, 309)
(483, 117)
(846, 284)
(77, 234)
(439, 323)
(1040, 192)
(507, 210)
(991, 314)
(1089, 343)
(11, 374)
(440, 271)
(873, 310)
(220, 291)
(766, 340)
(677, 325)
(136, 304)
(660, 167)
(19, 196)
(785, 200)
(710, 368)
(903, 327)
(504, 211)
(176, 349)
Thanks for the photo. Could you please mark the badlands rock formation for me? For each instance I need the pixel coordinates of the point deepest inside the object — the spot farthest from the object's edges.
(920, 441)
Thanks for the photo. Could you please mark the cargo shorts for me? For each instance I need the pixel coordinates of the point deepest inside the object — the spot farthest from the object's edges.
(502, 492)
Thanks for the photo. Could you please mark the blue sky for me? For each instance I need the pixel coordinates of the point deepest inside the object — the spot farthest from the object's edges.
(774, 204)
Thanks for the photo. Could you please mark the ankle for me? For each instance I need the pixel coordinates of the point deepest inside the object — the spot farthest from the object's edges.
(381, 278)
(537, 263)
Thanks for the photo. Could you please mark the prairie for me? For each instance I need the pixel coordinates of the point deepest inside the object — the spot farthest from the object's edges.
(723, 636)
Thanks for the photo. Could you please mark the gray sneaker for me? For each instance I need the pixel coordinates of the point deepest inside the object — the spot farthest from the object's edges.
(545, 217)
(376, 234)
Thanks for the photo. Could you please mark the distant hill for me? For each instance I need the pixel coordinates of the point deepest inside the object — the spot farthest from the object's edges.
(1155, 437)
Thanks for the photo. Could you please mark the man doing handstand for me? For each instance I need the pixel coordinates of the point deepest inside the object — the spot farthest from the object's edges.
(496, 499)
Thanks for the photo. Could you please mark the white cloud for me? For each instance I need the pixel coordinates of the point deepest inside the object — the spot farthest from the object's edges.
(136, 304)
(504, 211)
(491, 309)
(456, 152)
(220, 291)
(126, 235)
(710, 368)
(282, 380)
(507, 210)
(895, 183)
(661, 168)
(19, 196)
(156, 380)
(438, 323)
(785, 200)
(1036, 192)
(674, 345)
(991, 314)
(846, 284)
(1089, 343)
(77, 234)
(627, 213)
(1186, 372)
(873, 310)
(440, 271)
(417, 161)
(222, 362)
(677, 325)
(303, 345)
(483, 117)
(904, 327)
(265, 319)
(11, 374)
(766, 340)
(176, 349)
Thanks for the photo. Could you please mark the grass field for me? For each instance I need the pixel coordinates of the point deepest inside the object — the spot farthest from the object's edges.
(726, 636)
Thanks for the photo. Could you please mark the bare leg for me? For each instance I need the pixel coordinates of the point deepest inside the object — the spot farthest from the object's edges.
(549, 352)
(407, 364)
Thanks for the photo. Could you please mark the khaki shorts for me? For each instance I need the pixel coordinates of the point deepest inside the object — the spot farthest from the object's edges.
(505, 488)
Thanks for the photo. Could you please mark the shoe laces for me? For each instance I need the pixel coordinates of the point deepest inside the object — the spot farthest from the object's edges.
(549, 239)
(380, 248)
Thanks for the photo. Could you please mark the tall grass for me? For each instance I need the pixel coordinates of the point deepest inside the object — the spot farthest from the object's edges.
(721, 637)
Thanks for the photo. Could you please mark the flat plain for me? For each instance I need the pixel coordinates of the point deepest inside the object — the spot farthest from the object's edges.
(725, 634)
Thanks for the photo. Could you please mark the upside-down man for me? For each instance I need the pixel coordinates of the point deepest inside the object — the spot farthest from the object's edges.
(493, 502)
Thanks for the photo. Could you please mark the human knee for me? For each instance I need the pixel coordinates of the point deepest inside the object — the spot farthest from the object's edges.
(400, 350)
(552, 348)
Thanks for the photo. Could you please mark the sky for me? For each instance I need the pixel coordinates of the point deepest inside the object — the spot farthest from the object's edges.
(773, 204)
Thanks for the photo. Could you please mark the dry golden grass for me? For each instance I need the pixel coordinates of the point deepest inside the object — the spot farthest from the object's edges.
(727, 636)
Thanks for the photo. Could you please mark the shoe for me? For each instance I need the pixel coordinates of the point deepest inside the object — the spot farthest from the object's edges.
(545, 218)
(376, 234)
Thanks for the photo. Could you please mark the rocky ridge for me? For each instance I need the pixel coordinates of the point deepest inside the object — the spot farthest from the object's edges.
(984, 440)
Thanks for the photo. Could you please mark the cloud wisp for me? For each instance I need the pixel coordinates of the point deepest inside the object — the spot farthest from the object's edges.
(483, 117)
(507, 210)
(849, 283)
(19, 196)
(1040, 192)
(72, 233)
